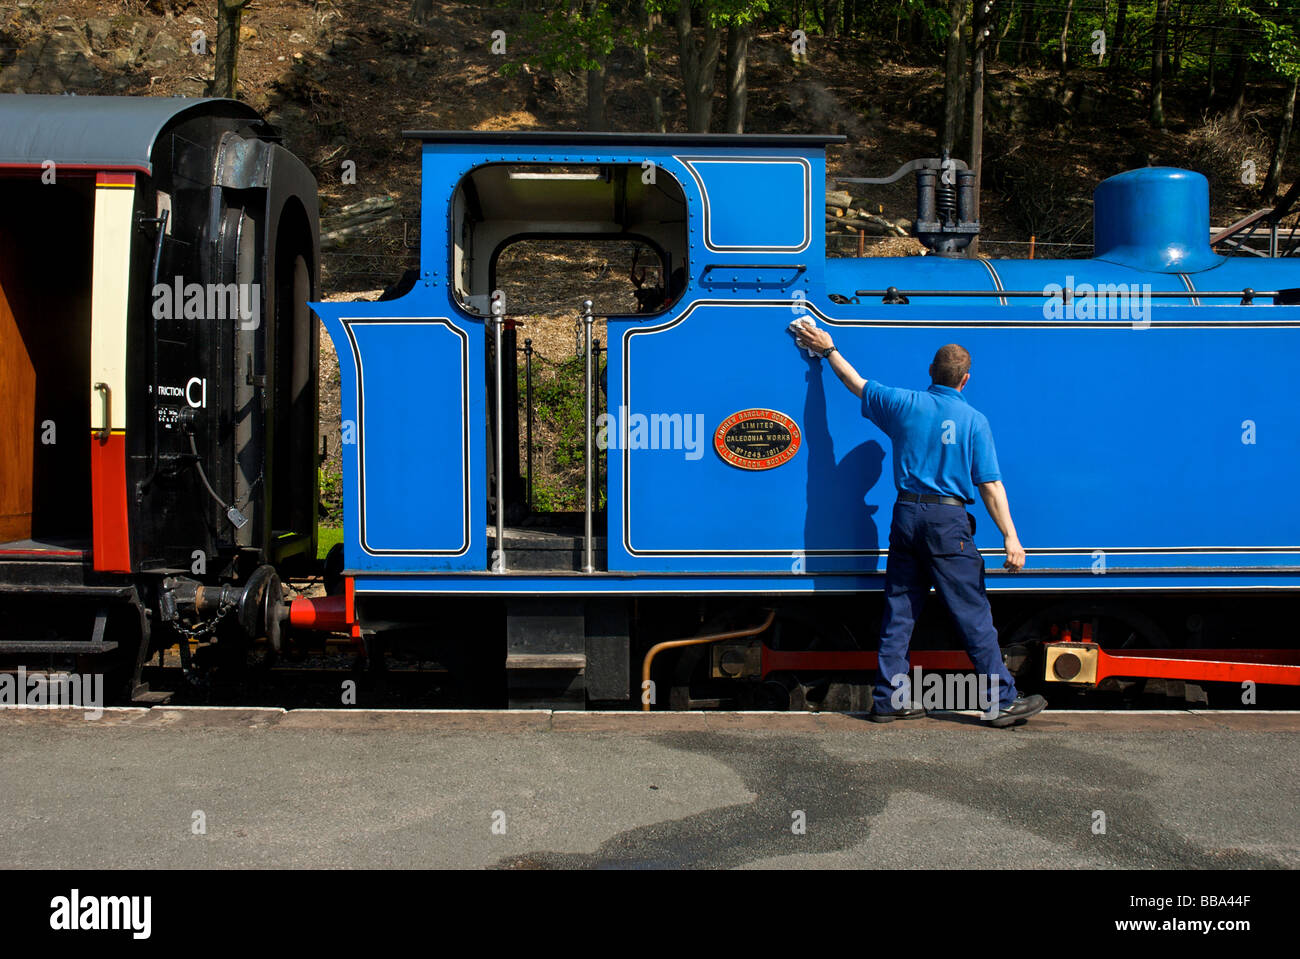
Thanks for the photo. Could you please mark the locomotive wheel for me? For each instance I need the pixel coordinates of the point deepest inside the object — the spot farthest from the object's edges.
(1114, 626)
(333, 577)
(793, 629)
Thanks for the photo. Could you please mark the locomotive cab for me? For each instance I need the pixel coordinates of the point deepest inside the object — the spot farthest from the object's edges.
(505, 217)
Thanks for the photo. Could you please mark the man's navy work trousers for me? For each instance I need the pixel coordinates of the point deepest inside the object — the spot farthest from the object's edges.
(933, 544)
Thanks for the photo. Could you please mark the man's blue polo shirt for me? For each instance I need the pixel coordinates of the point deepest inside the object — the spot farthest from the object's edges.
(942, 444)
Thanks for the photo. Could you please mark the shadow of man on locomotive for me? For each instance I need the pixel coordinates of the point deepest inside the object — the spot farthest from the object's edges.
(838, 510)
(943, 450)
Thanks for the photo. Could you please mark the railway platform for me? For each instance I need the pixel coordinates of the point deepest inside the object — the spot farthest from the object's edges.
(196, 787)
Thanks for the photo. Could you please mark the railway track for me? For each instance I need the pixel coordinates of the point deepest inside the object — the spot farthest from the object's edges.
(335, 676)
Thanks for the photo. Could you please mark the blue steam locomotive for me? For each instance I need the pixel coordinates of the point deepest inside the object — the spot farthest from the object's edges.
(1139, 398)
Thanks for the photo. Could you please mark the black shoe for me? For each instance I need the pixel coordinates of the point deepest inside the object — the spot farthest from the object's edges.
(1018, 712)
(889, 717)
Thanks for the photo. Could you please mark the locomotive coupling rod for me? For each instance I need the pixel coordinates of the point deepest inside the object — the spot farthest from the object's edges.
(588, 553)
(498, 564)
(656, 649)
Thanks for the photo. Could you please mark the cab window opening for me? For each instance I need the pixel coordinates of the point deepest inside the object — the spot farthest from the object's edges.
(554, 217)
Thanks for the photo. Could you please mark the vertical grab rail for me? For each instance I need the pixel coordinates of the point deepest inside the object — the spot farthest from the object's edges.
(528, 391)
(106, 394)
(599, 389)
(588, 565)
(499, 560)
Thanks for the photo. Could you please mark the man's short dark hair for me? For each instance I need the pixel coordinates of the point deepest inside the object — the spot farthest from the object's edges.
(951, 363)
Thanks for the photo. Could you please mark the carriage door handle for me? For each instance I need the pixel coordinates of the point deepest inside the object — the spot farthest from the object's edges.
(103, 434)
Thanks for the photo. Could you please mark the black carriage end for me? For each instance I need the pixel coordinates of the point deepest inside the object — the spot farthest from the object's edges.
(163, 402)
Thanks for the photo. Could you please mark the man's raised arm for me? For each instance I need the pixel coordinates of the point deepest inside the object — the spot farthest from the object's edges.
(819, 340)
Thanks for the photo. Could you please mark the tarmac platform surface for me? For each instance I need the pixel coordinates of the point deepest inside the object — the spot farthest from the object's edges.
(192, 787)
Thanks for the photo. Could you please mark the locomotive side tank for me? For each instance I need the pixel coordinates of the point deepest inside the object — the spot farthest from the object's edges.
(1129, 434)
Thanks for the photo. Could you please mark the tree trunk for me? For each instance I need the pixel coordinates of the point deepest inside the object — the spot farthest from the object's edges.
(648, 23)
(1008, 17)
(1180, 32)
(596, 99)
(963, 58)
(1214, 52)
(1237, 94)
(1158, 64)
(953, 101)
(1117, 44)
(916, 29)
(833, 13)
(737, 82)
(225, 81)
(1065, 35)
(699, 66)
(1274, 178)
(596, 85)
(979, 24)
(1026, 27)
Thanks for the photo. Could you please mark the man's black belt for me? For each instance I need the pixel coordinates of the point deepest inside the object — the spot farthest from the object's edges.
(906, 497)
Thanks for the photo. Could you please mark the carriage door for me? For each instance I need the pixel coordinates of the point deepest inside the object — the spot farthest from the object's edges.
(46, 250)
(114, 206)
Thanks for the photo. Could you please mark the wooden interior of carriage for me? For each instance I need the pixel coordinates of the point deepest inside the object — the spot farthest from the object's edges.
(45, 283)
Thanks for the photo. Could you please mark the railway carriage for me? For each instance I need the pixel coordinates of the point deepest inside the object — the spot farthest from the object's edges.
(157, 375)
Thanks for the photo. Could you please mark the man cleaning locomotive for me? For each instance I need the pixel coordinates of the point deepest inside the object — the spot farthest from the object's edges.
(943, 449)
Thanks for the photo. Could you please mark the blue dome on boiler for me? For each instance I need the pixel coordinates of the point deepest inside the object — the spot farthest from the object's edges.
(1155, 219)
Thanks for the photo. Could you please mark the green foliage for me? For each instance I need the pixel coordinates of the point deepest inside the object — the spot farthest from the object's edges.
(1279, 45)
(558, 406)
(718, 13)
(934, 17)
(327, 537)
(578, 36)
(331, 492)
